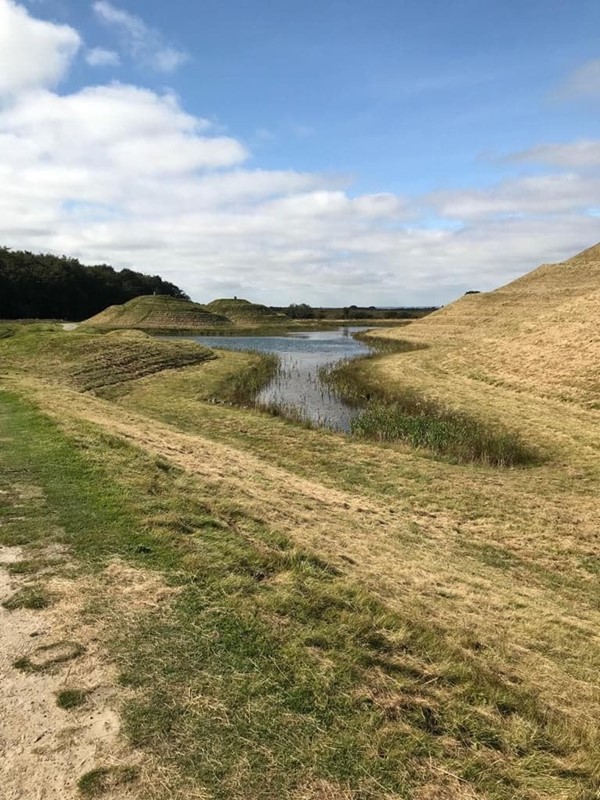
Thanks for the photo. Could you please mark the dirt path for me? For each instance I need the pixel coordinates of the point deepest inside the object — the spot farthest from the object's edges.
(45, 749)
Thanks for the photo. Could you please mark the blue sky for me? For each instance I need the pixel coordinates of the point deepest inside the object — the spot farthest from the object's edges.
(390, 152)
(403, 96)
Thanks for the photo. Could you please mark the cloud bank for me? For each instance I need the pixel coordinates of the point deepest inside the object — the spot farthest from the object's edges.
(122, 174)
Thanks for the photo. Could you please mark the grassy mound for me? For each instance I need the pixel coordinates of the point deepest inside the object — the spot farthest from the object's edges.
(538, 334)
(245, 313)
(150, 312)
(90, 361)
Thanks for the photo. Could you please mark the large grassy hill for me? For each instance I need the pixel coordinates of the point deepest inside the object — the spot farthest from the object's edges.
(149, 312)
(539, 333)
(518, 304)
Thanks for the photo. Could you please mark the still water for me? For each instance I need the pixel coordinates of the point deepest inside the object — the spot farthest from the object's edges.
(297, 387)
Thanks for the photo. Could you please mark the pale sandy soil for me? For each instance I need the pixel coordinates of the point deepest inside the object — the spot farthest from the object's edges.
(44, 750)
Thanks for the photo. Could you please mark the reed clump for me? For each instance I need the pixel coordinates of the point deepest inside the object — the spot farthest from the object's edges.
(241, 387)
(393, 413)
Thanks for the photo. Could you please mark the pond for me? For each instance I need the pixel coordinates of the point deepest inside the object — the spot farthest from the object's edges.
(297, 387)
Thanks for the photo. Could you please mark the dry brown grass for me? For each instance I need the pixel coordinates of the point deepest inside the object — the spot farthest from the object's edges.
(503, 564)
(437, 552)
(538, 334)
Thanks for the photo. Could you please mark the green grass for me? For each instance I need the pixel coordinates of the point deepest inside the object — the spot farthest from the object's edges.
(99, 781)
(271, 673)
(6, 332)
(47, 657)
(32, 597)
(452, 434)
(71, 698)
(240, 387)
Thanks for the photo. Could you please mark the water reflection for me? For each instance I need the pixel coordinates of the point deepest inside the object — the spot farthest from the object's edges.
(297, 387)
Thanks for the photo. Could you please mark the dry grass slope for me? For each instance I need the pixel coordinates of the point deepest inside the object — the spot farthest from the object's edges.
(538, 334)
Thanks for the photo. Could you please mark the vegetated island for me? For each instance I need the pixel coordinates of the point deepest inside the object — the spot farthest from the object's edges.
(291, 613)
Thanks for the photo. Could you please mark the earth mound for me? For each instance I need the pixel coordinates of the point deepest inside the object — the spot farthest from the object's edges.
(244, 313)
(157, 312)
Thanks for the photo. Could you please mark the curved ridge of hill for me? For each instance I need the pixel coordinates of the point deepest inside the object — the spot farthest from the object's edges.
(520, 302)
(539, 334)
(150, 312)
(243, 312)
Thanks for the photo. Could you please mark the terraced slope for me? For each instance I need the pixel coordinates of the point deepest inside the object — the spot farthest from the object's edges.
(90, 362)
(154, 312)
(246, 314)
(537, 334)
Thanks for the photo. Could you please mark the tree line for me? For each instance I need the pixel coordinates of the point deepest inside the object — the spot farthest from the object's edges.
(43, 286)
(304, 311)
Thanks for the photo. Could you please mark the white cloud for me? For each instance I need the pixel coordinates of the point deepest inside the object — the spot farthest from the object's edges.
(33, 53)
(99, 57)
(521, 197)
(133, 131)
(572, 155)
(144, 44)
(124, 175)
(584, 81)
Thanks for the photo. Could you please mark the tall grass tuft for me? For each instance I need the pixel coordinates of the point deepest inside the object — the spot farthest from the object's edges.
(454, 434)
(400, 414)
(241, 388)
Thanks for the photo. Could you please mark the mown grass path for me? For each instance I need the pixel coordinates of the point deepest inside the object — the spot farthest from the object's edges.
(277, 672)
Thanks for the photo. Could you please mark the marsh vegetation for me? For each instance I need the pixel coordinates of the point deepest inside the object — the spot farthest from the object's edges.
(393, 413)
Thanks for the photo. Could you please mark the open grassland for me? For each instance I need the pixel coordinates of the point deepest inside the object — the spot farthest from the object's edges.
(348, 619)
(275, 672)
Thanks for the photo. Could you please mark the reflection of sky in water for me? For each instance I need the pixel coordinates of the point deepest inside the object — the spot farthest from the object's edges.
(297, 384)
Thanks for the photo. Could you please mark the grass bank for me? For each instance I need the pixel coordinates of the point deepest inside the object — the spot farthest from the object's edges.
(393, 413)
(272, 673)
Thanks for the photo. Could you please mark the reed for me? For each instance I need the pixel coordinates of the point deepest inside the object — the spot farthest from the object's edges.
(403, 414)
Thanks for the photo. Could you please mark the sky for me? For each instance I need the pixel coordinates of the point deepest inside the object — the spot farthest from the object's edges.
(395, 152)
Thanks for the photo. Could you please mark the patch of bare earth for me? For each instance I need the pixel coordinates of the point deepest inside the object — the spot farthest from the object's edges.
(45, 749)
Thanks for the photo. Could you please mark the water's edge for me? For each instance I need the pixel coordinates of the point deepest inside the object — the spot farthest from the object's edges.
(297, 390)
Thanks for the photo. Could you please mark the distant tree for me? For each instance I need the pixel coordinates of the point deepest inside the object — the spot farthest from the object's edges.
(300, 311)
(53, 287)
